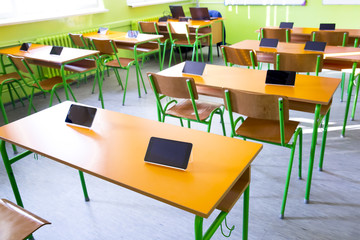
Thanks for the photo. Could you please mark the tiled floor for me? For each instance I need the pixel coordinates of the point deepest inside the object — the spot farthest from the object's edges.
(53, 191)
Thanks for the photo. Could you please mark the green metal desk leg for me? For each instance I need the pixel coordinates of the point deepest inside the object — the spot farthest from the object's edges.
(64, 80)
(312, 152)
(99, 80)
(83, 184)
(198, 227)
(246, 213)
(211, 49)
(351, 84)
(10, 173)
(211, 230)
(355, 99)
(322, 151)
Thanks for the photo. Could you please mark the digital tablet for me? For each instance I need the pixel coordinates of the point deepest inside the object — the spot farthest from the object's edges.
(102, 30)
(276, 77)
(55, 50)
(176, 11)
(286, 25)
(315, 46)
(327, 26)
(25, 47)
(132, 34)
(269, 42)
(168, 153)
(194, 68)
(81, 116)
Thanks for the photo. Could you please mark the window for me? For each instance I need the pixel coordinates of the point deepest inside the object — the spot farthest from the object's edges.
(140, 3)
(21, 11)
(264, 2)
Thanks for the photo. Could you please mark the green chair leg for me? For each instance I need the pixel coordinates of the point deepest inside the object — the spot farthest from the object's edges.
(322, 151)
(287, 182)
(126, 83)
(118, 78)
(83, 185)
(355, 99)
(342, 86)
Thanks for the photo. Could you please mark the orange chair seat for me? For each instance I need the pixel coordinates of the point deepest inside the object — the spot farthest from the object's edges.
(49, 83)
(123, 61)
(266, 130)
(186, 110)
(13, 75)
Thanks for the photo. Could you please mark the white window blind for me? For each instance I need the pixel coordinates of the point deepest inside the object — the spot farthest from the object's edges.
(140, 3)
(265, 2)
(22, 11)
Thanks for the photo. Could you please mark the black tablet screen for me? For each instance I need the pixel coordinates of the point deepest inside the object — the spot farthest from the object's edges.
(286, 25)
(56, 50)
(25, 46)
(81, 115)
(168, 152)
(269, 42)
(195, 68)
(280, 77)
(315, 46)
(327, 26)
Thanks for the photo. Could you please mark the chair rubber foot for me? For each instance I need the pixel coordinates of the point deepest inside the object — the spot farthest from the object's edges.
(352, 119)
(306, 201)
(281, 216)
(320, 169)
(299, 178)
(342, 136)
(87, 199)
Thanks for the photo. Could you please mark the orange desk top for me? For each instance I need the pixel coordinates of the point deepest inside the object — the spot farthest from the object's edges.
(121, 37)
(309, 30)
(295, 48)
(42, 53)
(114, 150)
(194, 23)
(311, 89)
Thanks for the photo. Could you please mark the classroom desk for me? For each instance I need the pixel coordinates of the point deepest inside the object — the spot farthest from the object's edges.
(265, 54)
(218, 171)
(352, 61)
(316, 91)
(303, 34)
(71, 59)
(215, 27)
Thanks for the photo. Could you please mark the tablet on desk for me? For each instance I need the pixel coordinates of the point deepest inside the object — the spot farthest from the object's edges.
(194, 68)
(269, 42)
(168, 153)
(25, 47)
(327, 26)
(103, 30)
(315, 46)
(55, 50)
(276, 77)
(81, 116)
(286, 25)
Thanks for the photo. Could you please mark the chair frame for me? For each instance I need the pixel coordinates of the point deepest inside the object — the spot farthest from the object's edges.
(318, 66)
(162, 109)
(196, 45)
(155, 31)
(298, 134)
(238, 52)
(104, 58)
(36, 81)
(345, 36)
(287, 33)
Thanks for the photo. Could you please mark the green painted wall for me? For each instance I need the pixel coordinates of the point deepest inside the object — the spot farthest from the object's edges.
(117, 18)
(240, 25)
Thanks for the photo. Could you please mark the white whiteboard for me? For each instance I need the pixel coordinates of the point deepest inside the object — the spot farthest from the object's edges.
(265, 2)
(341, 2)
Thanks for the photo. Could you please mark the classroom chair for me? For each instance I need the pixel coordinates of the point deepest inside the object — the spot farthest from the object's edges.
(179, 34)
(267, 121)
(305, 62)
(78, 41)
(242, 57)
(16, 222)
(189, 107)
(48, 85)
(283, 34)
(109, 58)
(152, 28)
(331, 38)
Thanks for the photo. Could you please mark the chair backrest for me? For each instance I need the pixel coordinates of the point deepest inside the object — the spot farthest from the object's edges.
(148, 27)
(20, 64)
(178, 27)
(256, 105)
(104, 46)
(283, 34)
(306, 62)
(16, 222)
(331, 38)
(78, 40)
(175, 87)
(243, 57)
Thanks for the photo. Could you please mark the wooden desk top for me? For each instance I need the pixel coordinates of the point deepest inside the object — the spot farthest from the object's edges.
(295, 48)
(114, 150)
(121, 37)
(42, 53)
(346, 58)
(311, 89)
(309, 30)
(193, 23)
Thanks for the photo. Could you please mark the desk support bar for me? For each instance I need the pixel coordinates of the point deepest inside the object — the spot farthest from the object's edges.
(220, 218)
(312, 151)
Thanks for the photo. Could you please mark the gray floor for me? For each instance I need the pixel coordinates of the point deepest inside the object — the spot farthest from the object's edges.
(53, 191)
